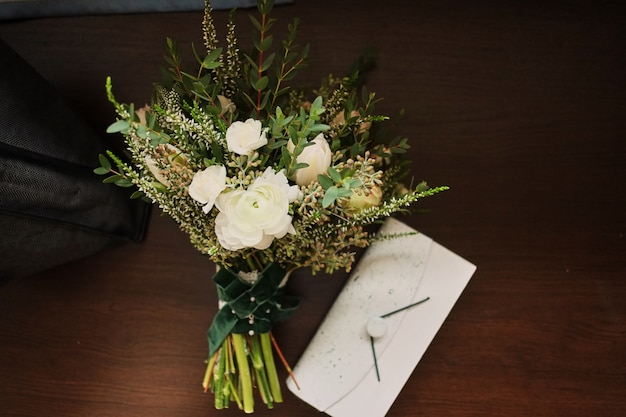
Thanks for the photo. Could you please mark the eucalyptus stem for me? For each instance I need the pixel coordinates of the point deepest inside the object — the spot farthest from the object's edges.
(245, 379)
(270, 366)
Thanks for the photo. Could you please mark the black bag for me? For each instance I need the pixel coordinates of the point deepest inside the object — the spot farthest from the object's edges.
(53, 208)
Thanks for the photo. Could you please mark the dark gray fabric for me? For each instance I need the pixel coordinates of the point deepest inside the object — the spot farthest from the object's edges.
(53, 208)
(20, 9)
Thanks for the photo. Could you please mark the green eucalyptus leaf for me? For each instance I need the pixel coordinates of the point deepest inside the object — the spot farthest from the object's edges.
(319, 128)
(261, 83)
(150, 119)
(189, 76)
(290, 76)
(104, 162)
(277, 144)
(265, 6)
(282, 91)
(330, 196)
(325, 181)
(285, 159)
(211, 65)
(213, 55)
(153, 136)
(290, 57)
(267, 61)
(123, 182)
(253, 77)
(269, 22)
(266, 43)
(256, 41)
(112, 179)
(353, 183)
(356, 149)
(421, 187)
(265, 99)
(142, 131)
(137, 194)
(159, 187)
(347, 173)
(256, 23)
(118, 126)
(316, 105)
(334, 175)
(217, 151)
(343, 192)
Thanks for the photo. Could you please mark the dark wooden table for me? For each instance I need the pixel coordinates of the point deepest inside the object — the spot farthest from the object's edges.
(519, 107)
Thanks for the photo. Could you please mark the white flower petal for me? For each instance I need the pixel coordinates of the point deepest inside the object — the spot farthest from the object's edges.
(207, 185)
(256, 216)
(318, 156)
(244, 137)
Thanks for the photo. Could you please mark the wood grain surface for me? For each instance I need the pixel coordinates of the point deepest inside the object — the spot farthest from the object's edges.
(520, 107)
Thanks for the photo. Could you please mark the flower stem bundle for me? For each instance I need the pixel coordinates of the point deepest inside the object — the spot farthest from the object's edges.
(242, 363)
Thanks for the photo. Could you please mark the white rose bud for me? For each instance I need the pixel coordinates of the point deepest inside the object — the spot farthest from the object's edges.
(256, 216)
(318, 156)
(366, 199)
(207, 185)
(244, 137)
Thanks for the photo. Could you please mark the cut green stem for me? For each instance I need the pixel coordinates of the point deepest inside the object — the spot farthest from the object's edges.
(218, 382)
(270, 366)
(245, 378)
(259, 368)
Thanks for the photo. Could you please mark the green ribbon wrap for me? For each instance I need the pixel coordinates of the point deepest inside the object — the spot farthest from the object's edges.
(249, 307)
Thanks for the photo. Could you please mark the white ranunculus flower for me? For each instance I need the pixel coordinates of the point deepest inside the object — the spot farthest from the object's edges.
(244, 137)
(207, 185)
(256, 216)
(318, 156)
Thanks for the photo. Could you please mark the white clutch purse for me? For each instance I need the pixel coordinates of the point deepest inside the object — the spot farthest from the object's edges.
(380, 325)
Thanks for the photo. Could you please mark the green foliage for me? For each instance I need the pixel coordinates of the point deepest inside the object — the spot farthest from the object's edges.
(183, 132)
(337, 185)
(186, 134)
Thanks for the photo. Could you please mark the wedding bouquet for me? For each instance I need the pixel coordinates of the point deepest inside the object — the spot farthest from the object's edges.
(265, 178)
